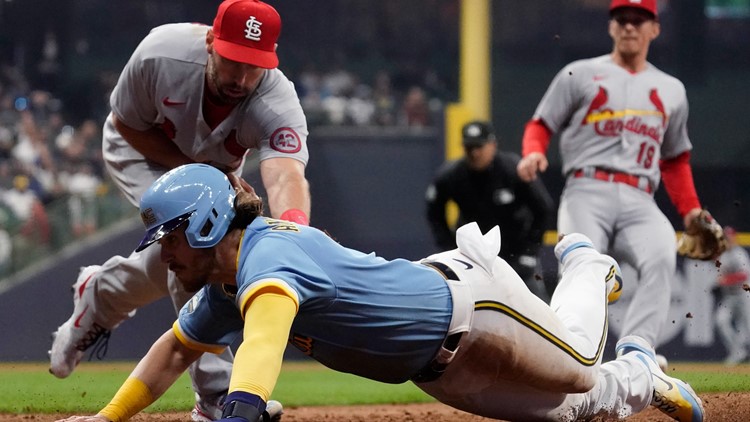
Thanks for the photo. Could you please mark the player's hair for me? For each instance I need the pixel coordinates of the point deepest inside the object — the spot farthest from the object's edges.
(247, 206)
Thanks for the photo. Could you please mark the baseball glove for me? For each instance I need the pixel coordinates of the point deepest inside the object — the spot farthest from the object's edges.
(703, 239)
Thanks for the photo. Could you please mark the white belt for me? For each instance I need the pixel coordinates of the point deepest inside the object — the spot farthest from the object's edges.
(463, 313)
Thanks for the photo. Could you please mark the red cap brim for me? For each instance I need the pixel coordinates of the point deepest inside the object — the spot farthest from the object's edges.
(244, 54)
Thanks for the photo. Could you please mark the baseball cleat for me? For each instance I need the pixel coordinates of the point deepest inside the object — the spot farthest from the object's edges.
(673, 397)
(78, 333)
(208, 407)
(614, 281)
(576, 244)
(572, 242)
(198, 414)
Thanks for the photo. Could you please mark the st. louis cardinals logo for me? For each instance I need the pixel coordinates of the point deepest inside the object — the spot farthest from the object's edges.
(608, 122)
(253, 31)
(286, 140)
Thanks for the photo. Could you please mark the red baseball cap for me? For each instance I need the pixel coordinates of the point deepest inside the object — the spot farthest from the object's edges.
(647, 5)
(246, 31)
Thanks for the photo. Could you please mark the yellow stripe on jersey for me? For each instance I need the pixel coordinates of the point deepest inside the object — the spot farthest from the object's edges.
(270, 285)
(190, 344)
(488, 305)
(619, 114)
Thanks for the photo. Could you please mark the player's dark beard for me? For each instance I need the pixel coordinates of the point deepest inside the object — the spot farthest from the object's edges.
(197, 274)
(215, 87)
(192, 282)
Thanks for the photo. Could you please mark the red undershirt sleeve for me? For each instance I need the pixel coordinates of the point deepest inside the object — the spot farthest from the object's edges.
(732, 279)
(536, 138)
(677, 176)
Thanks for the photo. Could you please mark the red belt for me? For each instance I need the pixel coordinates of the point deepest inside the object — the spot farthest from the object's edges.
(617, 177)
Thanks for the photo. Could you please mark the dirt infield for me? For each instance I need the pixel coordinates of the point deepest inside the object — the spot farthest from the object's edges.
(723, 407)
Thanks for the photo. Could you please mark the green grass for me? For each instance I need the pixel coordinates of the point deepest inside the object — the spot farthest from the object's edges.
(28, 388)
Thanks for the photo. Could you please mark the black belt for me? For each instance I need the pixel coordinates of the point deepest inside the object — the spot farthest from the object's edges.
(443, 269)
(435, 369)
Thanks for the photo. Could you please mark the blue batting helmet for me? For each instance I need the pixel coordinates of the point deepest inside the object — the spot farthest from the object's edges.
(197, 194)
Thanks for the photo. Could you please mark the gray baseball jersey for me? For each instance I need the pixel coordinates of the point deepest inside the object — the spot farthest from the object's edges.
(622, 122)
(163, 85)
(616, 119)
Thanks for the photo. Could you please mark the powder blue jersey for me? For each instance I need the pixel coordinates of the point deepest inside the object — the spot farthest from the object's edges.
(358, 313)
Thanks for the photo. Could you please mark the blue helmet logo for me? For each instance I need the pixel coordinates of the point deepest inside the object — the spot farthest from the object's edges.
(197, 194)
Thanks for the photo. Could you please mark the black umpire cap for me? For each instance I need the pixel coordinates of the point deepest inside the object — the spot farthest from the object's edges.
(477, 133)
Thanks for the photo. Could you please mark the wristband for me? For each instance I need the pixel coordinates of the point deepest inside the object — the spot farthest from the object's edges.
(131, 398)
(296, 216)
(241, 404)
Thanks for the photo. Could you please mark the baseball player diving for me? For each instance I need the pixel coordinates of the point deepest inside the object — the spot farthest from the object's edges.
(623, 127)
(191, 93)
(461, 324)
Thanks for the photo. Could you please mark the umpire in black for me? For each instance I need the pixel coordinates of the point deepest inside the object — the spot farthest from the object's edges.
(485, 186)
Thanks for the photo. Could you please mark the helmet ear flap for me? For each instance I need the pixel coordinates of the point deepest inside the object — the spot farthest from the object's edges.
(212, 218)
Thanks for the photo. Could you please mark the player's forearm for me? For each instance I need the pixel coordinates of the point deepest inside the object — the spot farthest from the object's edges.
(677, 176)
(286, 186)
(155, 373)
(164, 363)
(536, 138)
(153, 144)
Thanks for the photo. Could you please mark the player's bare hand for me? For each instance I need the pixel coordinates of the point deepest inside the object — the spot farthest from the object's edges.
(690, 216)
(94, 418)
(530, 165)
(240, 184)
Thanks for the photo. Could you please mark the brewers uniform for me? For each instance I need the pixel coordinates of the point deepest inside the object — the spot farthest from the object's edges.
(461, 324)
(616, 126)
(163, 85)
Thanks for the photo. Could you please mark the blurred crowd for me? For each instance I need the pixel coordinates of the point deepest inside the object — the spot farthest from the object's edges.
(339, 97)
(44, 160)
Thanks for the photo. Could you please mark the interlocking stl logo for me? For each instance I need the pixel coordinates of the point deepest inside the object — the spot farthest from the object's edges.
(253, 31)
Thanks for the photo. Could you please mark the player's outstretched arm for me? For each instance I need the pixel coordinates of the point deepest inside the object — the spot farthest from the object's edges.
(95, 418)
(288, 190)
(155, 373)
